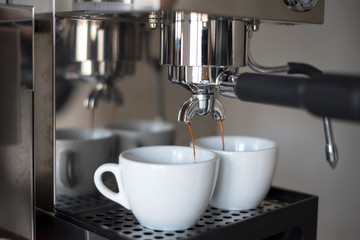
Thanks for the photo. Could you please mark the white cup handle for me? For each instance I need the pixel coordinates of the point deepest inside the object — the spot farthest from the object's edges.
(115, 169)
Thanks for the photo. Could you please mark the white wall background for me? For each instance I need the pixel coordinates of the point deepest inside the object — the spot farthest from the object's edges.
(332, 47)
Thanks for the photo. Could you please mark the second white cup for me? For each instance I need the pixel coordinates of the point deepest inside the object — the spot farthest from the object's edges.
(246, 170)
(79, 152)
(162, 185)
(141, 133)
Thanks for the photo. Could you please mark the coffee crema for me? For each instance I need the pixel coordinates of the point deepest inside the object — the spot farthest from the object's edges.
(92, 120)
(113, 115)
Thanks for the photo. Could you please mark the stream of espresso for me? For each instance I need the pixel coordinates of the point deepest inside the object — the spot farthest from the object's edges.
(92, 120)
(222, 134)
(192, 139)
(113, 115)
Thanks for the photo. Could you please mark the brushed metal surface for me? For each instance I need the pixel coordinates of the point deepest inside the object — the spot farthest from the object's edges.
(22, 19)
(44, 113)
(273, 10)
(9, 85)
(16, 149)
(270, 10)
(99, 51)
(193, 39)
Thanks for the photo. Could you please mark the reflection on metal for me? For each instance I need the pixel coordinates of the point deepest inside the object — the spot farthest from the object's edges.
(98, 52)
(198, 47)
(44, 114)
(195, 39)
(16, 124)
(22, 19)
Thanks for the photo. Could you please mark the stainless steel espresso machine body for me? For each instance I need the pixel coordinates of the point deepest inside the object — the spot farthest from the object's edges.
(204, 45)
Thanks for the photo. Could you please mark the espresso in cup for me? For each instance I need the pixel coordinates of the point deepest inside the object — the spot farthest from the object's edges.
(162, 185)
(79, 152)
(247, 166)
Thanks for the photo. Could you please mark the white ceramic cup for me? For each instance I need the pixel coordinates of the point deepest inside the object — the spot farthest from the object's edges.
(79, 152)
(140, 133)
(162, 185)
(246, 170)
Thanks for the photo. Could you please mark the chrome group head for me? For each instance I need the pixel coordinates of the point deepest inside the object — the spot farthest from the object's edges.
(197, 48)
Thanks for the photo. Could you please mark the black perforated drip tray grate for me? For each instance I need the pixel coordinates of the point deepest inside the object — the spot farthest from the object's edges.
(113, 221)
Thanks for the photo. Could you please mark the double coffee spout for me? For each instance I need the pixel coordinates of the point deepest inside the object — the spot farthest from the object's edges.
(201, 105)
(104, 92)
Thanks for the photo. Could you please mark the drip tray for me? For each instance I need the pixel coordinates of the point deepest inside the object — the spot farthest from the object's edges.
(283, 213)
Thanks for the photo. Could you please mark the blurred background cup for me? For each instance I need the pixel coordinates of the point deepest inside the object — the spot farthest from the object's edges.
(79, 152)
(246, 170)
(162, 185)
(139, 133)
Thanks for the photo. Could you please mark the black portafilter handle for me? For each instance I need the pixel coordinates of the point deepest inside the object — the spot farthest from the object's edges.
(330, 95)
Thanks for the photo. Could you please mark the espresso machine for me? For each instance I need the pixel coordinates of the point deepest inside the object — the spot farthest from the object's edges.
(204, 45)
